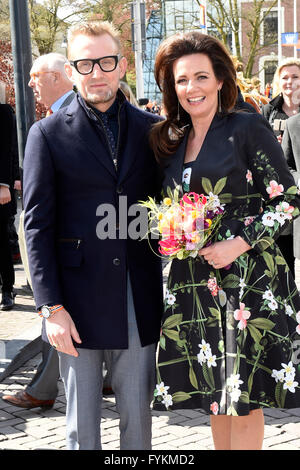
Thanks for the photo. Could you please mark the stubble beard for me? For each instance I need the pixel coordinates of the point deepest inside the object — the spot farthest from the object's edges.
(104, 97)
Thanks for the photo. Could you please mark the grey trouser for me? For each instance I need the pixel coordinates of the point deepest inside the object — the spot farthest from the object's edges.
(133, 382)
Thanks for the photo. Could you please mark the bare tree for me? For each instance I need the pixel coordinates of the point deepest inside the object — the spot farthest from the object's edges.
(226, 18)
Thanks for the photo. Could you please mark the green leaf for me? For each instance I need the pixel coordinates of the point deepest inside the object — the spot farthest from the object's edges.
(269, 261)
(207, 186)
(193, 378)
(254, 332)
(292, 190)
(262, 323)
(244, 397)
(209, 376)
(280, 260)
(221, 346)
(172, 321)
(225, 198)
(220, 185)
(250, 382)
(232, 280)
(280, 394)
(180, 396)
(215, 313)
(172, 334)
(162, 342)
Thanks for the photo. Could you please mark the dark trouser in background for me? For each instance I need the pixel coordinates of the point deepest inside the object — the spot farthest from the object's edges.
(7, 272)
(44, 384)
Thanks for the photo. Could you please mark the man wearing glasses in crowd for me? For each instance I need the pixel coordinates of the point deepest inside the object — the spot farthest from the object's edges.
(97, 294)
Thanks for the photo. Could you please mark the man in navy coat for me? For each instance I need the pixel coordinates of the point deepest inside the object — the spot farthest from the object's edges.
(95, 293)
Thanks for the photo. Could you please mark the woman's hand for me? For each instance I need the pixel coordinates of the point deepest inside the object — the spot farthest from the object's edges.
(221, 254)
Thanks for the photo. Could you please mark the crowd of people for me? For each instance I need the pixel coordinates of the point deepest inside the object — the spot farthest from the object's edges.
(226, 326)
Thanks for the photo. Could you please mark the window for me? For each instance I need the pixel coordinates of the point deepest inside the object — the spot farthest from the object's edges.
(270, 29)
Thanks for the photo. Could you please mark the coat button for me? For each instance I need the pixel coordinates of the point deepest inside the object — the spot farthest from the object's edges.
(119, 189)
(116, 262)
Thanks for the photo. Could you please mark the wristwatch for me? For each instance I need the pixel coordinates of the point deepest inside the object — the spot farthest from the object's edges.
(48, 310)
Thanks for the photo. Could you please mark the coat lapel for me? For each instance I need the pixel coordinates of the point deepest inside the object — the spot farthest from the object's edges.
(136, 135)
(174, 166)
(87, 136)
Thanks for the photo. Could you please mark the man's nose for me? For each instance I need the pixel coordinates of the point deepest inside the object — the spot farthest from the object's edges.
(97, 70)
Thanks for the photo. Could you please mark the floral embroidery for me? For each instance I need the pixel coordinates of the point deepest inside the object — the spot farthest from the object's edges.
(274, 189)
(242, 316)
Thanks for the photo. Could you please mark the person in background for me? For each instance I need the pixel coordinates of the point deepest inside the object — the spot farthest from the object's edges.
(9, 182)
(128, 93)
(285, 103)
(291, 149)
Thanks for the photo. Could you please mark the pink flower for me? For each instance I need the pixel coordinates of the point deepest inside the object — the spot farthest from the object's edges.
(169, 247)
(213, 286)
(242, 315)
(249, 176)
(249, 219)
(274, 189)
(214, 407)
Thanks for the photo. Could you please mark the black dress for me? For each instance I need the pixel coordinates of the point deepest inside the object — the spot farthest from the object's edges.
(230, 337)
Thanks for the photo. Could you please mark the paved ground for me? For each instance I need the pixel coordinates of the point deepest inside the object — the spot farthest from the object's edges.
(38, 429)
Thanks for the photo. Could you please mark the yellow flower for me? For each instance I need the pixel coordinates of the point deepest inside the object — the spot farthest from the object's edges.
(208, 221)
(160, 216)
(167, 201)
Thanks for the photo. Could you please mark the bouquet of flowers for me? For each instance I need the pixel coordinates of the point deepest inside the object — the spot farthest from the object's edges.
(184, 225)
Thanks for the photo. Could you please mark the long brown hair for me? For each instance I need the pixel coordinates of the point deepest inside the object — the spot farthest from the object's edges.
(166, 135)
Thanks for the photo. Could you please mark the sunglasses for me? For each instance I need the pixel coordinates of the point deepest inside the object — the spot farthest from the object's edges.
(36, 75)
(86, 66)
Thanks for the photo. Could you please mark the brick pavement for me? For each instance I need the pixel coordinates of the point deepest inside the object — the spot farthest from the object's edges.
(177, 430)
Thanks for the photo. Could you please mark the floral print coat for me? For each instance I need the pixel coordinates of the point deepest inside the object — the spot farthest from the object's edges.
(230, 337)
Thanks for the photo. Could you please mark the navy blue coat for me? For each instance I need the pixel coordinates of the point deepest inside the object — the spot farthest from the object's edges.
(68, 174)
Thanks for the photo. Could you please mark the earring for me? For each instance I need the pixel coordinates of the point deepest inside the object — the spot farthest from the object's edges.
(178, 112)
(219, 101)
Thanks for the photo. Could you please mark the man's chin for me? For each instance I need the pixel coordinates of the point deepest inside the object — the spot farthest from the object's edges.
(99, 99)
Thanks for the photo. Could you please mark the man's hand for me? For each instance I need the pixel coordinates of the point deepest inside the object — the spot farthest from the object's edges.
(5, 195)
(221, 254)
(60, 331)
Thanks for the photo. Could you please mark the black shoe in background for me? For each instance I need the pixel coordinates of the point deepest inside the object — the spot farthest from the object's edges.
(8, 301)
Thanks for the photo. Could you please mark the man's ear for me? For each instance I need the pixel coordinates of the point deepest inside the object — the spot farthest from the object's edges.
(122, 66)
(69, 72)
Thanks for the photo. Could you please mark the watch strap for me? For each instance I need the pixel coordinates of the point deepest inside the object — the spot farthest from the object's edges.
(53, 309)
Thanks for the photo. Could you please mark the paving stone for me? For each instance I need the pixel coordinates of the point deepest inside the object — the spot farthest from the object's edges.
(175, 430)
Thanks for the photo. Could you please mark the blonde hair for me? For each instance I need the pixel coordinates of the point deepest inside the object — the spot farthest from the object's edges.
(94, 28)
(285, 63)
(128, 93)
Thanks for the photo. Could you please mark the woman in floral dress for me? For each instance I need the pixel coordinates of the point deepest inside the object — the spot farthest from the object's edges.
(231, 326)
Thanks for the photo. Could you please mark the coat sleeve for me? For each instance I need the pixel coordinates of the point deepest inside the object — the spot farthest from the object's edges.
(287, 147)
(275, 184)
(40, 214)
